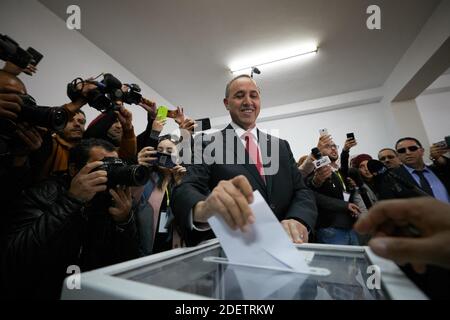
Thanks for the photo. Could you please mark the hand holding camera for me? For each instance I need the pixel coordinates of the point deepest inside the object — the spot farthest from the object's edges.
(10, 105)
(178, 173)
(147, 156)
(87, 182)
(125, 118)
(120, 211)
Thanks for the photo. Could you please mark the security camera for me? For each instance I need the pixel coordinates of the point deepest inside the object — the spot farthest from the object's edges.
(255, 70)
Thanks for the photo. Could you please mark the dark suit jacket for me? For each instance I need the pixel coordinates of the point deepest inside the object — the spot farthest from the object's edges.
(285, 191)
(388, 190)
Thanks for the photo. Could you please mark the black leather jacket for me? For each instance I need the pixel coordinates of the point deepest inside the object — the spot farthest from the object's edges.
(49, 231)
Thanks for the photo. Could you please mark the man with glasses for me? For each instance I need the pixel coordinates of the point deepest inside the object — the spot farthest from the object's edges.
(389, 157)
(433, 180)
(335, 226)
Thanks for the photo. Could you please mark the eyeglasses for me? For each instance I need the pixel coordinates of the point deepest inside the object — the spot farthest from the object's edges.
(387, 158)
(411, 148)
(332, 146)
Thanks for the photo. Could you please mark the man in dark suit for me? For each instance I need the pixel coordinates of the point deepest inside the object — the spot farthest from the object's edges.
(433, 180)
(236, 161)
(417, 179)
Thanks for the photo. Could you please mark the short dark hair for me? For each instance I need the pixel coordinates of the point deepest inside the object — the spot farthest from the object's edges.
(79, 155)
(408, 138)
(227, 89)
(390, 149)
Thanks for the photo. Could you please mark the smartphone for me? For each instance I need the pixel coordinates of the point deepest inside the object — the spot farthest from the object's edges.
(351, 136)
(323, 132)
(161, 113)
(164, 160)
(202, 124)
(37, 56)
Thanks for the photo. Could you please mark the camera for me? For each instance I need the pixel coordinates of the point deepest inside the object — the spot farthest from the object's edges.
(119, 173)
(12, 52)
(107, 93)
(444, 144)
(54, 118)
(165, 160)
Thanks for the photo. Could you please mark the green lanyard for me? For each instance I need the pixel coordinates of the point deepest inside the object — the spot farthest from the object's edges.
(342, 180)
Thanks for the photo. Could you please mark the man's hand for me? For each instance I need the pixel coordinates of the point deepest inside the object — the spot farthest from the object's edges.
(31, 138)
(188, 124)
(10, 105)
(320, 175)
(324, 141)
(180, 117)
(147, 156)
(296, 231)
(121, 210)
(158, 125)
(349, 143)
(149, 106)
(354, 210)
(428, 215)
(86, 184)
(178, 173)
(230, 199)
(125, 118)
(437, 154)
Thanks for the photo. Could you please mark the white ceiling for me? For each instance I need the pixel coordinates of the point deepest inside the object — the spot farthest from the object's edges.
(182, 48)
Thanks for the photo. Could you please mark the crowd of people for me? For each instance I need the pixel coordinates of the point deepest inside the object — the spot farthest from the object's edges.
(98, 194)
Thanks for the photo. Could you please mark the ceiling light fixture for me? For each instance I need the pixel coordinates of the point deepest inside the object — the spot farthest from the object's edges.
(275, 59)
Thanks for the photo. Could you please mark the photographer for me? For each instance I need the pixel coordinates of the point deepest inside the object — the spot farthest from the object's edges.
(115, 127)
(75, 218)
(154, 204)
(17, 140)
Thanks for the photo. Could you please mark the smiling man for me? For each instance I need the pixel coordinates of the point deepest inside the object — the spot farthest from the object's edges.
(225, 185)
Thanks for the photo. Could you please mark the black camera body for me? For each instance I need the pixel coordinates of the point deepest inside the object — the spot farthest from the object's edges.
(107, 94)
(119, 173)
(54, 118)
(12, 52)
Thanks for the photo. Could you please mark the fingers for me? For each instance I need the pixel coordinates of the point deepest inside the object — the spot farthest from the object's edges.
(404, 250)
(295, 230)
(244, 186)
(238, 206)
(90, 166)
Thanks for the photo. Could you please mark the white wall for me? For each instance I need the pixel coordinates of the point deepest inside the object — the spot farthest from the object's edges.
(434, 110)
(366, 122)
(67, 55)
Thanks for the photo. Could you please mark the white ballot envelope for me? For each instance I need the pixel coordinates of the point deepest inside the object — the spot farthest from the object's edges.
(266, 244)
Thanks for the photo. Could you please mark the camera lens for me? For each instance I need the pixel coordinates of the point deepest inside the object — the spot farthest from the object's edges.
(140, 175)
(52, 118)
(135, 175)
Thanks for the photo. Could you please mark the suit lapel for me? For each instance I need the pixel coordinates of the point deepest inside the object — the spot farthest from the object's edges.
(407, 176)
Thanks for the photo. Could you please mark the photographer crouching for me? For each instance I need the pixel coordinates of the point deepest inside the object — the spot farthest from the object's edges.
(83, 217)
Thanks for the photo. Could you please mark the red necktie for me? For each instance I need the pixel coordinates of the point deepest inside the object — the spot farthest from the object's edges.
(253, 150)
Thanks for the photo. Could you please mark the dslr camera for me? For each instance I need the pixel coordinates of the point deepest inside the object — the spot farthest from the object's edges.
(107, 94)
(119, 173)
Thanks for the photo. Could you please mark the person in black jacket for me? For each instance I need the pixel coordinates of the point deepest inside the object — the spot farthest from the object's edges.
(415, 179)
(223, 184)
(60, 223)
(334, 226)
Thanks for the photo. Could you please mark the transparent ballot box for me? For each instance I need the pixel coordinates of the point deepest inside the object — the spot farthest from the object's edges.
(202, 272)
